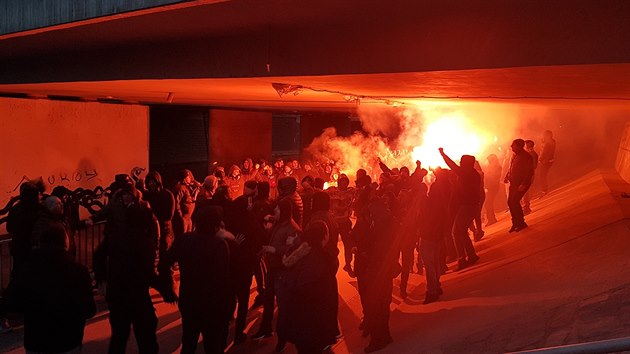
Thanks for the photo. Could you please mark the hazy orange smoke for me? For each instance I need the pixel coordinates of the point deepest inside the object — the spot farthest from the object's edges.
(400, 136)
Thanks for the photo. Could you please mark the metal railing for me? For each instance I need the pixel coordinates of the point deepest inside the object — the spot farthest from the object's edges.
(86, 241)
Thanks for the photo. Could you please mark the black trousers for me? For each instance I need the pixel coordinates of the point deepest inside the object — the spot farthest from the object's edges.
(242, 286)
(514, 203)
(463, 218)
(260, 273)
(491, 196)
(377, 302)
(141, 315)
(270, 300)
(212, 326)
(345, 225)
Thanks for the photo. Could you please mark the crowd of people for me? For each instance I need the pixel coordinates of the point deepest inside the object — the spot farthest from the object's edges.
(279, 225)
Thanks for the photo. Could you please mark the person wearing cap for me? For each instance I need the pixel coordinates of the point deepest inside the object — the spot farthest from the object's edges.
(467, 198)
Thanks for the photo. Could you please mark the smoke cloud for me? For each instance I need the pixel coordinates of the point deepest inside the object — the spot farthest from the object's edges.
(401, 135)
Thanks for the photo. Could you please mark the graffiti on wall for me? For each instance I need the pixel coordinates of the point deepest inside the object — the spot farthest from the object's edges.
(93, 200)
(61, 178)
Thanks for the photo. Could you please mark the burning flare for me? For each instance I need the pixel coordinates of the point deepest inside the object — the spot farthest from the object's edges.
(399, 136)
(457, 135)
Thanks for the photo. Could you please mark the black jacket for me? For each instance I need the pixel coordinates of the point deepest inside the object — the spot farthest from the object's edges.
(55, 294)
(20, 222)
(204, 273)
(307, 300)
(521, 170)
(126, 257)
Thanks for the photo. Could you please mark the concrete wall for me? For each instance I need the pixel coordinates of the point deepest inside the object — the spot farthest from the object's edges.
(623, 155)
(22, 15)
(71, 144)
(236, 135)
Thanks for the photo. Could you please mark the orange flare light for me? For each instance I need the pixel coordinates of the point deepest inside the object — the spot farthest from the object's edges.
(457, 134)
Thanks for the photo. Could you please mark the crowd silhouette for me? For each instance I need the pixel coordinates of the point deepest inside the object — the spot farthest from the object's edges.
(276, 225)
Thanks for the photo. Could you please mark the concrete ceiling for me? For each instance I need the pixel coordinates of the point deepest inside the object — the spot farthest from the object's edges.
(228, 53)
(552, 85)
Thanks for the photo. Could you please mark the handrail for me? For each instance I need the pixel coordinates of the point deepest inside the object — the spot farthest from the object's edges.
(86, 241)
(602, 346)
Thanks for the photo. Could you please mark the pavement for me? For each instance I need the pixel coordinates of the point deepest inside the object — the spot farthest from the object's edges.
(563, 280)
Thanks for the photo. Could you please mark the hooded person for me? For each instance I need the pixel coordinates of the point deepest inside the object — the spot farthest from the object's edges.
(235, 182)
(204, 264)
(249, 170)
(209, 185)
(70, 207)
(309, 278)
(162, 204)
(219, 173)
(323, 214)
(184, 203)
(466, 201)
(269, 175)
(287, 189)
